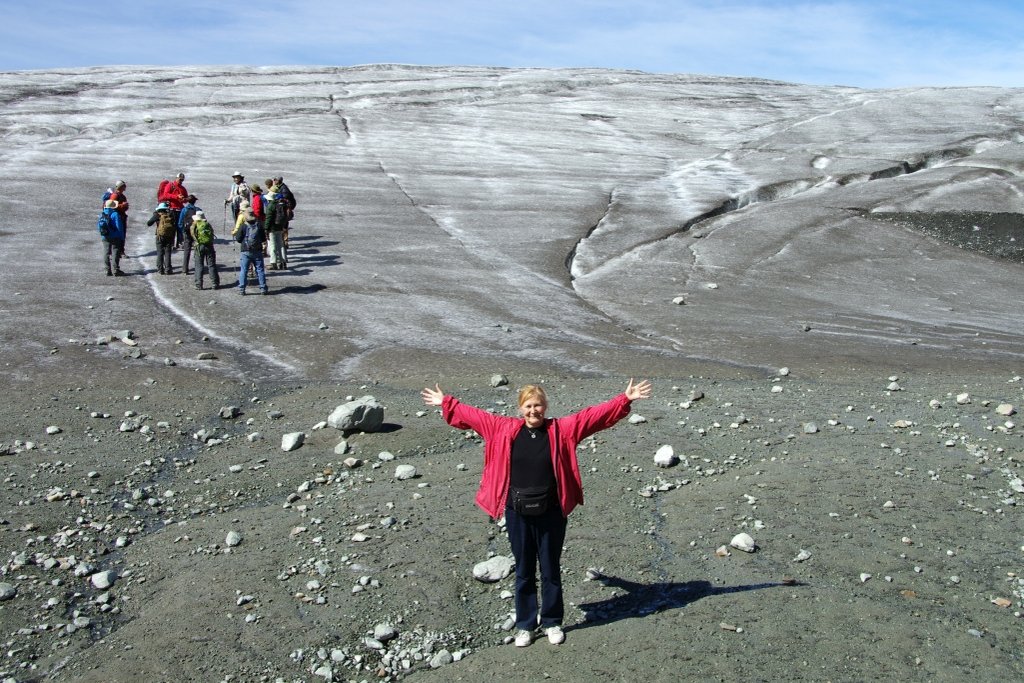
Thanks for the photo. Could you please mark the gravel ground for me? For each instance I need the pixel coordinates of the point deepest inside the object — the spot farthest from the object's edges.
(918, 496)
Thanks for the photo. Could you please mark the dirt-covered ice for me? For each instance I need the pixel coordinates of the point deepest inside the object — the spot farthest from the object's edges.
(569, 227)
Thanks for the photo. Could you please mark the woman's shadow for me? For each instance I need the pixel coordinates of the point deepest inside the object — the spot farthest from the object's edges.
(642, 599)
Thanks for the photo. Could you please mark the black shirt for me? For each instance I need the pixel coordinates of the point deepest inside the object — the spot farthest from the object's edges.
(531, 459)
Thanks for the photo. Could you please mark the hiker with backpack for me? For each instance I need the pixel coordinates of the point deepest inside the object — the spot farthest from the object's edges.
(289, 198)
(249, 234)
(276, 209)
(184, 230)
(173, 192)
(238, 193)
(201, 233)
(117, 194)
(165, 231)
(111, 228)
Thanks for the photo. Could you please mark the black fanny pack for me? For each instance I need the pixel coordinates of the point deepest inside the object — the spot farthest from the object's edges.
(531, 501)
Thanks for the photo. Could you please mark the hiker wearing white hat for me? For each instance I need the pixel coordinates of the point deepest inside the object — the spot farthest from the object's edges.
(239, 191)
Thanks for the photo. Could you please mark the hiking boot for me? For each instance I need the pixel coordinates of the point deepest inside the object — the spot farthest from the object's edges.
(119, 272)
(109, 273)
(241, 292)
(555, 635)
(523, 638)
(264, 292)
(198, 286)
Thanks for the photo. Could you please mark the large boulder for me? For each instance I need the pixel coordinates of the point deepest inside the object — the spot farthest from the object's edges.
(364, 414)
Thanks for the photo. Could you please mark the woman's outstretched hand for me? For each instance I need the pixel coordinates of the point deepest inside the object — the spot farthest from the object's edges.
(641, 389)
(433, 397)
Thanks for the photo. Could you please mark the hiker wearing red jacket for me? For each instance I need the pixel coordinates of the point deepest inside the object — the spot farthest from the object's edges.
(531, 477)
(174, 193)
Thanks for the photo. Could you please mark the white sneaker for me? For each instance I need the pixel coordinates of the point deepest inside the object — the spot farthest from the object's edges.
(523, 638)
(555, 635)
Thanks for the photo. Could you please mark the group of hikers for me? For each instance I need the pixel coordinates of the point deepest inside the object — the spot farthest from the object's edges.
(261, 218)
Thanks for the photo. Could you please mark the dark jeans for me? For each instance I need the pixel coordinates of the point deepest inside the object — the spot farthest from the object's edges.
(164, 247)
(206, 256)
(186, 248)
(113, 248)
(537, 539)
(175, 215)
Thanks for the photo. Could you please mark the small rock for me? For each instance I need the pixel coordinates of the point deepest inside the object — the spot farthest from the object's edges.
(865, 577)
(233, 539)
(7, 591)
(963, 399)
(665, 457)
(810, 428)
(384, 632)
(230, 412)
(53, 429)
(103, 580)
(494, 569)
(292, 440)
(743, 542)
(636, 419)
(206, 355)
(498, 380)
(802, 556)
(365, 414)
(442, 658)
(403, 472)
(1005, 409)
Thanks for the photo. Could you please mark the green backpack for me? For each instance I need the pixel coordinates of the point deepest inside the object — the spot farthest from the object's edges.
(204, 233)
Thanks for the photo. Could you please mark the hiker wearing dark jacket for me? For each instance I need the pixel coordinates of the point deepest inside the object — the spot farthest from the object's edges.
(113, 238)
(184, 233)
(165, 232)
(249, 234)
(285, 192)
(275, 224)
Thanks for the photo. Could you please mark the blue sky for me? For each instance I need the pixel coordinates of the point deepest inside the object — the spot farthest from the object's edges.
(868, 43)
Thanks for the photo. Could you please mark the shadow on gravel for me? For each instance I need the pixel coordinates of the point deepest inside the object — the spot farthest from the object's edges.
(642, 599)
(295, 289)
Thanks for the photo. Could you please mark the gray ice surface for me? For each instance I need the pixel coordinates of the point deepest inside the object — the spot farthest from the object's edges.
(548, 215)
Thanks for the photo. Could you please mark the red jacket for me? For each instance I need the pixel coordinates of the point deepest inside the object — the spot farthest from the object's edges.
(174, 194)
(564, 433)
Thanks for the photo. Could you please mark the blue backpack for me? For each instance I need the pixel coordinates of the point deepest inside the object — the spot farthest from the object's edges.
(105, 224)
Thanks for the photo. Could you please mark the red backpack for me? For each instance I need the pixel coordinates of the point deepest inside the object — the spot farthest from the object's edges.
(161, 189)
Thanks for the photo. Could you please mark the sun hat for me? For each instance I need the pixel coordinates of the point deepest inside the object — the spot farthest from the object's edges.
(162, 206)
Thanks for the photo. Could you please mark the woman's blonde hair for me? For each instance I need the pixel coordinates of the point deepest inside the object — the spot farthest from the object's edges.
(531, 391)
